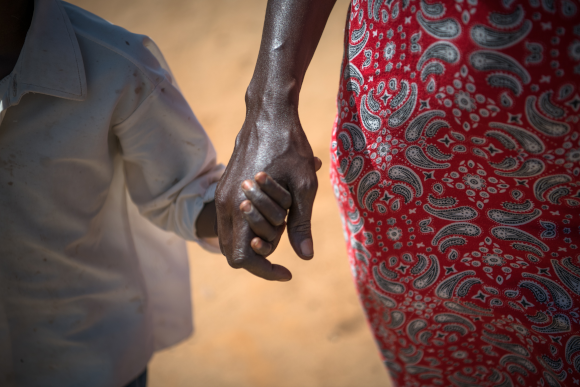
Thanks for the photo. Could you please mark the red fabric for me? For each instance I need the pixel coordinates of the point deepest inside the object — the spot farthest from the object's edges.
(455, 162)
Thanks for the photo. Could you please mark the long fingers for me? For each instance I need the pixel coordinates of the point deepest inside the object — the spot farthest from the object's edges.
(244, 256)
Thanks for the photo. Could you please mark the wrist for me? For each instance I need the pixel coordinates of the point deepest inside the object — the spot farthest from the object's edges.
(277, 94)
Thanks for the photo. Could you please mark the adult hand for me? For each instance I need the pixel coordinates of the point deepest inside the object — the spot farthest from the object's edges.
(271, 141)
(267, 203)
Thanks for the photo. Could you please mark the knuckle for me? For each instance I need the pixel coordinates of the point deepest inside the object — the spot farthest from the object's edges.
(301, 227)
(238, 141)
(220, 198)
(239, 259)
(308, 185)
(313, 185)
(225, 247)
(236, 263)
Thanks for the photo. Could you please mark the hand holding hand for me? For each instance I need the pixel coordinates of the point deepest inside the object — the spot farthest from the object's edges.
(253, 233)
(266, 209)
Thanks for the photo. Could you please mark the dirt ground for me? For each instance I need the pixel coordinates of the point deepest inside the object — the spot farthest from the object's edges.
(249, 332)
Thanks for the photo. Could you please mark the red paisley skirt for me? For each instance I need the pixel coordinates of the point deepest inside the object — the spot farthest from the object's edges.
(455, 163)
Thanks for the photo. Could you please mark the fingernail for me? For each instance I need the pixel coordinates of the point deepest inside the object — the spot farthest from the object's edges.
(284, 279)
(246, 207)
(247, 185)
(307, 248)
(260, 177)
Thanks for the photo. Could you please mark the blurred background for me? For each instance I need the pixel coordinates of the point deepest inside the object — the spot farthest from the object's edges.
(249, 332)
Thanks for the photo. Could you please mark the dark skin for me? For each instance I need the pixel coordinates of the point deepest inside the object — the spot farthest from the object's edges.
(266, 206)
(272, 139)
(15, 20)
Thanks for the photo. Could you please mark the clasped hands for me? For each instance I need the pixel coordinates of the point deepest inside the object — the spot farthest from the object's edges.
(265, 211)
(273, 152)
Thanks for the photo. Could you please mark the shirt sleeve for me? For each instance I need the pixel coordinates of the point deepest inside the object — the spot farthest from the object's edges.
(170, 162)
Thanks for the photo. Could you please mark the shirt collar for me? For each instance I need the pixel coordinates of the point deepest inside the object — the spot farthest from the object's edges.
(50, 61)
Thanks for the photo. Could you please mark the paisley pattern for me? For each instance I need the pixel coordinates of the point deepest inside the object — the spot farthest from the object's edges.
(456, 156)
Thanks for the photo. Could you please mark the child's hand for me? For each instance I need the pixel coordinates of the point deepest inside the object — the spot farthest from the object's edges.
(266, 209)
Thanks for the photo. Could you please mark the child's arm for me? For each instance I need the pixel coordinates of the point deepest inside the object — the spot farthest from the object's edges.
(207, 221)
(169, 162)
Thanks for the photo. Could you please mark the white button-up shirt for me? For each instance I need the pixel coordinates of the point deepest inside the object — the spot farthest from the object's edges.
(95, 136)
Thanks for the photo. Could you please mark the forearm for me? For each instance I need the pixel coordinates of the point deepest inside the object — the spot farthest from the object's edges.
(292, 30)
(272, 139)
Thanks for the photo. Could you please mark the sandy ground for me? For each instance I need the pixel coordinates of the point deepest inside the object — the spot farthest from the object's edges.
(249, 332)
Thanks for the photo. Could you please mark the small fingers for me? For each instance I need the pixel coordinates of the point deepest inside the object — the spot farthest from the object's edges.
(244, 257)
(265, 248)
(261, 247)
(264, 204)
(260, 226)
(274, 190)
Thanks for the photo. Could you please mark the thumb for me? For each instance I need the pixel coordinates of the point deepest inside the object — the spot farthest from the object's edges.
(299, 217)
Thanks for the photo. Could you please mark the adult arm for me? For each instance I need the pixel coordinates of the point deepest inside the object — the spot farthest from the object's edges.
(272, 139)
